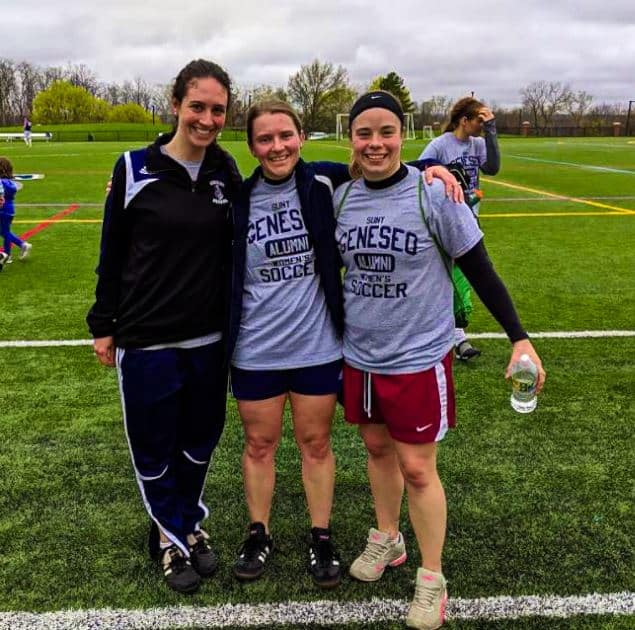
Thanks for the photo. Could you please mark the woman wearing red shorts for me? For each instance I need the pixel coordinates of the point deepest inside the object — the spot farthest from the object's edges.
(399, 336)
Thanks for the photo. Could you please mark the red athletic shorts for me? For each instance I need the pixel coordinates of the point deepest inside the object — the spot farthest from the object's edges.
(417, 408)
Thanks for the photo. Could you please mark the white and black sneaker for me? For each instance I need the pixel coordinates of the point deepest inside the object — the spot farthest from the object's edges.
(324, 561)
(466, 351)
(3, 259)
(202, 555)
(253, 554)
(179, 574)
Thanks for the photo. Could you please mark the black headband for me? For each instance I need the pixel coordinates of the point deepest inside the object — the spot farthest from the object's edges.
(376, 99)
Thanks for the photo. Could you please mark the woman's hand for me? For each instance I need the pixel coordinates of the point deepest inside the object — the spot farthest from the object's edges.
(524, 346)
(485, 114)
(452, 187)
(105, 350)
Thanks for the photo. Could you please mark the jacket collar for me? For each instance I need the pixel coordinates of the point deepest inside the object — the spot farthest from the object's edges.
(156, 160)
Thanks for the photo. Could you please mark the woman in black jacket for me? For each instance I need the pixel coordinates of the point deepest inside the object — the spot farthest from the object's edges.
(159, 313)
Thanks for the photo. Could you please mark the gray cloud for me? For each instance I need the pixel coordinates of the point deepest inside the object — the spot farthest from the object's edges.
(493, 50)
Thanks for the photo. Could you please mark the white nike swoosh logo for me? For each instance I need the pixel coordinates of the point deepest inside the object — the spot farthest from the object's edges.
(420, 429)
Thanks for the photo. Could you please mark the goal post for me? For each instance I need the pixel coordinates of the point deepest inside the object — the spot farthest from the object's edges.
(341, 126)
(409, 127)
(427, 132)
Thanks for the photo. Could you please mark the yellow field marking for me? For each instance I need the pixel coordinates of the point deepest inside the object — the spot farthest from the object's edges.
(513, 215)
(585, 202)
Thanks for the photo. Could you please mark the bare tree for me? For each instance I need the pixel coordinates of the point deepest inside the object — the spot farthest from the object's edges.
(309, 86)
(30, 83)
(111, 93)
(143, 93)
(51, 74)
(82, 76)
(435, 109)
(544, 100)
(605, 114)
(577, 105)
(8, 90)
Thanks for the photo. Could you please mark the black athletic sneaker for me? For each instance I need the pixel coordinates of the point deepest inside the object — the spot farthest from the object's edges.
(324, 561)
(178, 571)
(154, 541)
(202, 555)
(253, 554)
(465, 351)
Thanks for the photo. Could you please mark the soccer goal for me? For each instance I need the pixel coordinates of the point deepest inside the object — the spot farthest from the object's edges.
(341, 126)
(427, 132)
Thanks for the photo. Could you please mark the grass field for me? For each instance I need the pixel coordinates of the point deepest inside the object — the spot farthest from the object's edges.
(539, 505)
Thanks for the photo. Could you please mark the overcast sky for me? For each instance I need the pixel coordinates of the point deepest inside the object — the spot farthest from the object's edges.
(451, 48)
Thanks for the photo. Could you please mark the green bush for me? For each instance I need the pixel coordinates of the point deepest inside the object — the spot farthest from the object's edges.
(129, 113)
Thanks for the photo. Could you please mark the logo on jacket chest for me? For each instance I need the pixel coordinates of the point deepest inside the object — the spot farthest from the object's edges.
(218, 192)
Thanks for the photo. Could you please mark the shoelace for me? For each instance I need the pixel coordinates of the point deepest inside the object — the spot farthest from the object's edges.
(324, 552)
(178, 562)
(374, 550)
(252, 547)
(426, 593)
(201, 545)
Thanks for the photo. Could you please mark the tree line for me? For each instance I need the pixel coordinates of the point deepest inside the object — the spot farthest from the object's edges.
(319, 90)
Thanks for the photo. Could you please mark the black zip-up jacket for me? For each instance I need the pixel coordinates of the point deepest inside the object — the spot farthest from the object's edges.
(315, 183)
(164, 249)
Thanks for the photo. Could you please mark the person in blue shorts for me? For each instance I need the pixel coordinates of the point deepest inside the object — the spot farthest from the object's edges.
(26, 131)
(7, 213)
(284, 337)
(160, 311)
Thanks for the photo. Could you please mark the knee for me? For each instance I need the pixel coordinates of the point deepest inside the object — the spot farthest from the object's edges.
(316, 448)
(379, 449)
(261, 448)
(418, 476)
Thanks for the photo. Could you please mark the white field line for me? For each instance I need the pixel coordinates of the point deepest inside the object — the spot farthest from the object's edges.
(588, 167)
(489, 200)
(573, 334)
(318, 613)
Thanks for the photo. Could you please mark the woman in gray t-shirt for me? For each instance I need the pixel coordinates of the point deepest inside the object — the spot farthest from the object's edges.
(398, 338)
(285, 329)
(462, 144)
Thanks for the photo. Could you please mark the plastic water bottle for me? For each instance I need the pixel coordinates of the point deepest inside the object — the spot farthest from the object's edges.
(524, 380)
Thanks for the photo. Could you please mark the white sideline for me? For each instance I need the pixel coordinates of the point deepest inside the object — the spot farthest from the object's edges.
(318, 613)
(574, 334)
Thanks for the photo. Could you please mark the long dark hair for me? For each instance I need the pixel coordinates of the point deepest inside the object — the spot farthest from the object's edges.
(468, 107)
(6, 168)
(200, 69)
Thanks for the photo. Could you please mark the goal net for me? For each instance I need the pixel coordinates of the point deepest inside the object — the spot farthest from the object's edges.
(341, 126)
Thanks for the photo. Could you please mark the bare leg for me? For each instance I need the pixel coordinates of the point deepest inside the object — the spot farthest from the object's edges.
(384, 475)
(426, 500)
(312, 420)
(262, 423)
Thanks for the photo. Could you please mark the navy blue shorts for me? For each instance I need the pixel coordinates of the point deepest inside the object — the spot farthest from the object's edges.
(315, 380)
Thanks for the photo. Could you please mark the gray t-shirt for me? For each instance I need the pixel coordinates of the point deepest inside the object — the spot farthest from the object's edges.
(285, 322)
(398, 297)
(471, 154)
(191, 166)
